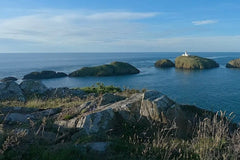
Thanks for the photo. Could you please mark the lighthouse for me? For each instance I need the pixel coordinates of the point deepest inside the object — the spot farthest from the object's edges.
(185, 54)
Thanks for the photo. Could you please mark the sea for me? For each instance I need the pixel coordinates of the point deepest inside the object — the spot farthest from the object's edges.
(213, 89)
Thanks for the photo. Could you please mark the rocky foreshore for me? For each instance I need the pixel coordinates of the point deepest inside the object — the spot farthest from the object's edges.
(88, 116)
(100, 113)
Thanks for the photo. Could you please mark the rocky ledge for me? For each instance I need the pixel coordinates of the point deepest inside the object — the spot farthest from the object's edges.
(44, 75)
(111, 124)
(233, 63)
(101, 113)
(112, 69)
(194, 62)
(164, 63)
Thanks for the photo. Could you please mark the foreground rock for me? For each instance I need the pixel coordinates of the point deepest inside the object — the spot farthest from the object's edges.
(19, 116)
(194, 62)
(139, 109)
(164, 63)
(108, 124)
(44, 75)
(233, 63)
(113, 69)
(31, 87)
(10, 91)
(9, 79)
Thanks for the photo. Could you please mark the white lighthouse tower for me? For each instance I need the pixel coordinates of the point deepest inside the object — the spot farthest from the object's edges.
(185, 54)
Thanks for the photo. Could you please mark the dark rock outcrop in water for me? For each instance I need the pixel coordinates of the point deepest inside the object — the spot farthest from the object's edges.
(44, 75)
(113, 69)
(194, 62)
(164, 63)
(233, 63)
(9, 79)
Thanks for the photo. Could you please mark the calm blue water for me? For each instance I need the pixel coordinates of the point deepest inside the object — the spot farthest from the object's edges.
(213, 89)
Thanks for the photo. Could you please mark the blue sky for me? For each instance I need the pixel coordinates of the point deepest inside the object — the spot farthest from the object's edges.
(119, 25)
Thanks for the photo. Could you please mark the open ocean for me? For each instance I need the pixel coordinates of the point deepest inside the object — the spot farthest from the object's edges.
(212, 89)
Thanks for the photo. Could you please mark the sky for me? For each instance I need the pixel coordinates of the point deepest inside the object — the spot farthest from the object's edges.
(119, 26)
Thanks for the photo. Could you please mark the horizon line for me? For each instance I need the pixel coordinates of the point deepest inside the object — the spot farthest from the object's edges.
(121, 52)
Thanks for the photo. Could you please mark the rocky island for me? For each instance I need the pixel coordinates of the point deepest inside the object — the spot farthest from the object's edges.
(233, 63)
(44, 75)
(194, 62)
(164, 63)
(112, 69)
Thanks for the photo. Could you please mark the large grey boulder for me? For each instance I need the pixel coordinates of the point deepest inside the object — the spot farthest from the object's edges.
(31, 87)
(11, 91)
(154, 104)
(100, 119)
(19, 116)
(97, 122)
(109, 98)
(131, 110)
(140, 109)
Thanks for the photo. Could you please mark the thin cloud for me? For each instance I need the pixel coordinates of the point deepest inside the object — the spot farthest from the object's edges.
(121, 15)
(204, 22)
(71, 27)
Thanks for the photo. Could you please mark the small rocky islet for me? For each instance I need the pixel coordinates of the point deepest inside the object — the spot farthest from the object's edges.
(121, 68)
(44, 75)
(187, 62)
(235, 63)
(112, 69)
(194, 62)
(164, 63)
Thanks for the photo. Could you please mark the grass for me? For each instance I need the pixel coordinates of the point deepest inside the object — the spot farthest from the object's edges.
(100, 88)
(43, 104)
